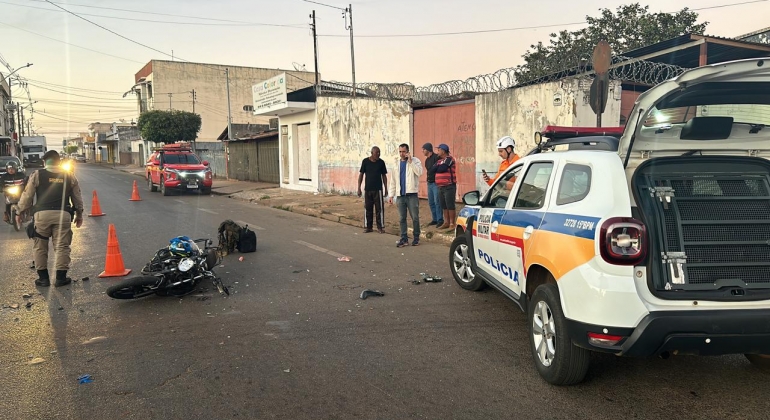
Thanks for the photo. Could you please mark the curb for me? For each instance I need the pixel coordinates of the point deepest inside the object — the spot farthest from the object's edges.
(430, 236)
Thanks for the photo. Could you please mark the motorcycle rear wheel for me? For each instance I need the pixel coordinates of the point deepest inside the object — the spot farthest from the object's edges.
(133, 288)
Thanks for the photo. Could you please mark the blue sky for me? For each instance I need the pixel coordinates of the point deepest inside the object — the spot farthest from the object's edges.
(419, 60)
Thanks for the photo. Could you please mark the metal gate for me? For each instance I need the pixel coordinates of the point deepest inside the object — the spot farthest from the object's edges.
(454, 125)
(254, 161)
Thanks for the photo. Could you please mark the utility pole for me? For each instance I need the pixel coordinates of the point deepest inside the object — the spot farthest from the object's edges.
(315, 49)
(229, 115)
(193, 98)
(352, 53)
(19, 126)
(21, 113)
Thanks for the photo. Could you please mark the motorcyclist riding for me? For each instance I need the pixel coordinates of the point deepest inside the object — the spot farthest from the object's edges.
(12, 176)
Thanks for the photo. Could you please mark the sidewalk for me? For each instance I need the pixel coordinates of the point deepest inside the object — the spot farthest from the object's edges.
(348, 210)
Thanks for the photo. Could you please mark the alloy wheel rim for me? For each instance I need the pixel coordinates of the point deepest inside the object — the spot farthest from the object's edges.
(461, 264)
(544, 333)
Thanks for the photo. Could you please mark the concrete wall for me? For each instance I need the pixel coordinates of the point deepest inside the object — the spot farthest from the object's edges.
(521, 112)
(209, 83)
(292, 121)
(347, 130)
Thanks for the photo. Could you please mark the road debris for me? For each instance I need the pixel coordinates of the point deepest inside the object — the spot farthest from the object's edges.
(240, 258)
(430, 279)
(368, 292)
(28, 305)
(15, 306)
(345, 259)
(85, 379)
(95, 340)
(287, 370)
(26, 296)
(36, 361)
(85, 279)
(416, 282)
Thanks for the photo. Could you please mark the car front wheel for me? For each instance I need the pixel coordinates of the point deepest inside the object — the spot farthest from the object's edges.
(460, 262)
(150, 185)
(557, 359)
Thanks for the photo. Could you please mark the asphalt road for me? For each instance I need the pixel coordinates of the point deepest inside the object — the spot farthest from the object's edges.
(294, 340)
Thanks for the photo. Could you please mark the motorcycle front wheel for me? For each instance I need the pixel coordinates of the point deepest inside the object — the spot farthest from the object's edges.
(16, 223)
(133, 288)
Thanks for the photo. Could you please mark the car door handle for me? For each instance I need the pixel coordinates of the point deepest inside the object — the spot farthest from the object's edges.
(528, 232)
(494, 226)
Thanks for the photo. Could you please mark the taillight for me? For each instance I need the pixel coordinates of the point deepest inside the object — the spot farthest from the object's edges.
(603, 340)
(623, 241)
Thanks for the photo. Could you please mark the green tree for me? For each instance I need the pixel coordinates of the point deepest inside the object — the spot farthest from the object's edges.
(630, 27)
(70, 150)
(169, 126)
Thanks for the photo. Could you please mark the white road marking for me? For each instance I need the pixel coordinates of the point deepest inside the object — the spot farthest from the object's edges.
(208, 211)
(251, 226)
(321, 249)
(181, 201)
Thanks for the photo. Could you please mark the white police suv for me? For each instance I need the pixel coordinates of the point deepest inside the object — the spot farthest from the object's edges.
(653, 242)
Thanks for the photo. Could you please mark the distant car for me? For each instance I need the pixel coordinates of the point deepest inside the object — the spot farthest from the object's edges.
(174, 167)
(80, 158)
(4, 161)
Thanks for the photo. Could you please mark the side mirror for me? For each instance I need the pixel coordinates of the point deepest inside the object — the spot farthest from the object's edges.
(471, 198)
(205, 163)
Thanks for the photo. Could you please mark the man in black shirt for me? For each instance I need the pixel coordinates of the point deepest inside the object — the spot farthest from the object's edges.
(376, 177)
(433, 201)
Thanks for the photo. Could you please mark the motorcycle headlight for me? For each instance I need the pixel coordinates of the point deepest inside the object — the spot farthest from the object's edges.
(67, 166)
(186, 264)
(14, 190)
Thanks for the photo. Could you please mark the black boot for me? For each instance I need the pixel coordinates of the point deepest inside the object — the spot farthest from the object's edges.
(61, 278)
(42, 278)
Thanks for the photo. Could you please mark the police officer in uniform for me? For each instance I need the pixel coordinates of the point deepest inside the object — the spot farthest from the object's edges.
(58, 197)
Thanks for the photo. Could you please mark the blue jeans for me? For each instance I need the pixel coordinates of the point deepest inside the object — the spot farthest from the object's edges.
(434, 203)
(412, 203)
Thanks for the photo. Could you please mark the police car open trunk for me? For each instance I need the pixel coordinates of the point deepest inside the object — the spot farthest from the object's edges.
(708, 223)
(697, 152)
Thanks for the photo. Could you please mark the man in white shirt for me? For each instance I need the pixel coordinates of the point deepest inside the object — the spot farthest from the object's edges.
(403, 187)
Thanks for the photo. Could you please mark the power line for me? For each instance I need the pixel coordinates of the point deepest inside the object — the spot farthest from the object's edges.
(293, 26)
(152, 13)
(109, 30)
(75, 94)
(520, 28)
(71, 87)
(72, 45)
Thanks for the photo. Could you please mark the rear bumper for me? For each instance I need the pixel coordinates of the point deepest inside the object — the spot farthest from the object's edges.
(705, 333)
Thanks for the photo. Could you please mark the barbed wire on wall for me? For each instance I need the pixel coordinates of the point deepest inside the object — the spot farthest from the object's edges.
(624, 69)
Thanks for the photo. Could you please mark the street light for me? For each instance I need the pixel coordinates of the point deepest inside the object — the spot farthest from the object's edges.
(11, 73)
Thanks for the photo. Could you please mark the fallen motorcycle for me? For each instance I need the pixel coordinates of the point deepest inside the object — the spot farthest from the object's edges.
(174, 271)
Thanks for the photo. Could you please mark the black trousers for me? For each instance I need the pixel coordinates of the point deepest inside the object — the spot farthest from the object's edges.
(373, 201)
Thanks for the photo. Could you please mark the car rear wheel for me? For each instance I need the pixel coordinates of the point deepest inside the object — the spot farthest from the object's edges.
(557, 359)
(460, 263)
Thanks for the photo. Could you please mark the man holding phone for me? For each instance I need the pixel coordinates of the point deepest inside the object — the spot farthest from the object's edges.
(403, 187)
(505, 149)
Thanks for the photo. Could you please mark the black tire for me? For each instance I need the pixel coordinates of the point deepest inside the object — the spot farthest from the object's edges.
(150, 186)
(133, 288)
(163, 190)
(16, 224)
(762, 361)
(568, 363)
(460, 265)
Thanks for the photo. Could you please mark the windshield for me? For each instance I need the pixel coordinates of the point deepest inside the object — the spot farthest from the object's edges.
(4, 161)
(741, 113)
(32, 149)
(180, 158)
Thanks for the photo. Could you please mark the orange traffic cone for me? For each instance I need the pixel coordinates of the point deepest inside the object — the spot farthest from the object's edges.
(113, 266)
(135, 193)
(96, 209)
